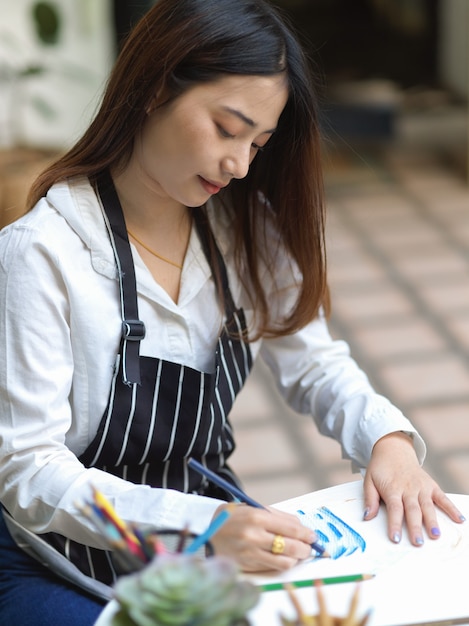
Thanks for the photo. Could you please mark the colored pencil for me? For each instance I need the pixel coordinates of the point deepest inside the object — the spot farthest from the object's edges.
(205, 537)
(126, 559)
(451, 621)
(223, 484)
(147, 548)
(324, 618)
(107, 530)
(350, 620)
(311, 582)
(183, 534)
(296, 603)
(156, 545)
(108, 511)
(239, 494)
(106, 507)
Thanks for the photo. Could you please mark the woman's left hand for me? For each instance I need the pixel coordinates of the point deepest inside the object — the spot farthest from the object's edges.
(395, 476)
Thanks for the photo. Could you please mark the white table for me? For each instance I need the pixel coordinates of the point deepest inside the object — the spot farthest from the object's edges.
(411, 585)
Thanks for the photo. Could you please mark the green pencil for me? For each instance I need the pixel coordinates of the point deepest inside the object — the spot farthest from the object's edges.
(311, 582)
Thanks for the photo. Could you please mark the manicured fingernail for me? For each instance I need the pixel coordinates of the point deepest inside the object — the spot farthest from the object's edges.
(396, 537)
(419, 541)
(366, 512)
(462, 518)
(435, 532)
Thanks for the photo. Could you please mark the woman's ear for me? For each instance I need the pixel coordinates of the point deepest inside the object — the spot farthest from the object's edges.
(151, 106)
(161, 97)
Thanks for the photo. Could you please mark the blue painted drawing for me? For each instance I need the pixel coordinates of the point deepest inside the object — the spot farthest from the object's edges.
(333, 533)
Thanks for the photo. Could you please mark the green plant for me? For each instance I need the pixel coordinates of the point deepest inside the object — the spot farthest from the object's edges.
(47, 22)
(184, 590)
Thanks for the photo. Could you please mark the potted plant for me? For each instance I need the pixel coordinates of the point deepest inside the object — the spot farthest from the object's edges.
(184, 590)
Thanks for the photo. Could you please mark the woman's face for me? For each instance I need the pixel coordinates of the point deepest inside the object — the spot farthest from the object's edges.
(196, 144)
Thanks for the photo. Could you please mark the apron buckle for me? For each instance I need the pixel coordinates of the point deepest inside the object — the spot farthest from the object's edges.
(133, 330)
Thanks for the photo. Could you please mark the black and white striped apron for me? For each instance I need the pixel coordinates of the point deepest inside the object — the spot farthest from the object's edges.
(160, 413)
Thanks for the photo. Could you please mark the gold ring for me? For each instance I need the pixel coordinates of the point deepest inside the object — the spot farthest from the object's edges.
(278, 545)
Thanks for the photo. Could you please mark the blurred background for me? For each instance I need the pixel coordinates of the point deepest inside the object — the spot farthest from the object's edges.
(393, 83)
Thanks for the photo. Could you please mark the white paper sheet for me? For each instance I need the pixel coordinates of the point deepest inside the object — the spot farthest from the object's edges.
(411, 585)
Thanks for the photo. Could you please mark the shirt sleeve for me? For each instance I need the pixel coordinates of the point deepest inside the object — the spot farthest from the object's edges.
(316, 375)
(41, 478)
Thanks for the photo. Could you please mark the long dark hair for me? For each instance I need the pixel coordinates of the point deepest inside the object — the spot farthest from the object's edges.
(180, 43)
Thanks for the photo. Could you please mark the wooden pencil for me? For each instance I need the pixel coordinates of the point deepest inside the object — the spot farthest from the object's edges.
(312, 582)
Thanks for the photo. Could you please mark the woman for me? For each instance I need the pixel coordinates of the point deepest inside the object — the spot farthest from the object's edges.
(181, 238)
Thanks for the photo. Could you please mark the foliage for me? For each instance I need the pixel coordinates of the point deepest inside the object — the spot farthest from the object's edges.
(184, 590)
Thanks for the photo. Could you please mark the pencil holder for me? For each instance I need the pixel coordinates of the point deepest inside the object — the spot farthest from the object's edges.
(152, 545)
(172, 540)
(178, 589)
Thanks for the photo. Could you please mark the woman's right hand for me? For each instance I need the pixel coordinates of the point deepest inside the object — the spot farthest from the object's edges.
(248, 534)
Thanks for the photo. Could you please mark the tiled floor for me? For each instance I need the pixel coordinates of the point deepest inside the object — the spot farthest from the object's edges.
(398, 237)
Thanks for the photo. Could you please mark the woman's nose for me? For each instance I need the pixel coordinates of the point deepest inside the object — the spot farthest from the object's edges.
(237, 162)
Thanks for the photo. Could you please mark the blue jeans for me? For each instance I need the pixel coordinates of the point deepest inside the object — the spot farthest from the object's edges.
(31, 595)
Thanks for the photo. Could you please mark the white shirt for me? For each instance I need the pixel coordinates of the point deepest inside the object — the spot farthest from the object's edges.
(60, 325)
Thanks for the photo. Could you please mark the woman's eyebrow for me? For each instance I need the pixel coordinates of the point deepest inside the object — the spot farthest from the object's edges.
(245, 119)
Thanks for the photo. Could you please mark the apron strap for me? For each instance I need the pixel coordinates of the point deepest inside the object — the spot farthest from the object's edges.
(133, 329)
(211, 249)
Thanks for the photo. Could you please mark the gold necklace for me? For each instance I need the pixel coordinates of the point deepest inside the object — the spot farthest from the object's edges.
(159, 256)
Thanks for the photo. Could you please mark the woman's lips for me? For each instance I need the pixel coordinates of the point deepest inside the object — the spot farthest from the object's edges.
(210, 187)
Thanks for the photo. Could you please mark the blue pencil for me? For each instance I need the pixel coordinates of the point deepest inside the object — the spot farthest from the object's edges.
(237, 493)
(205, 537)
(224, 484)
